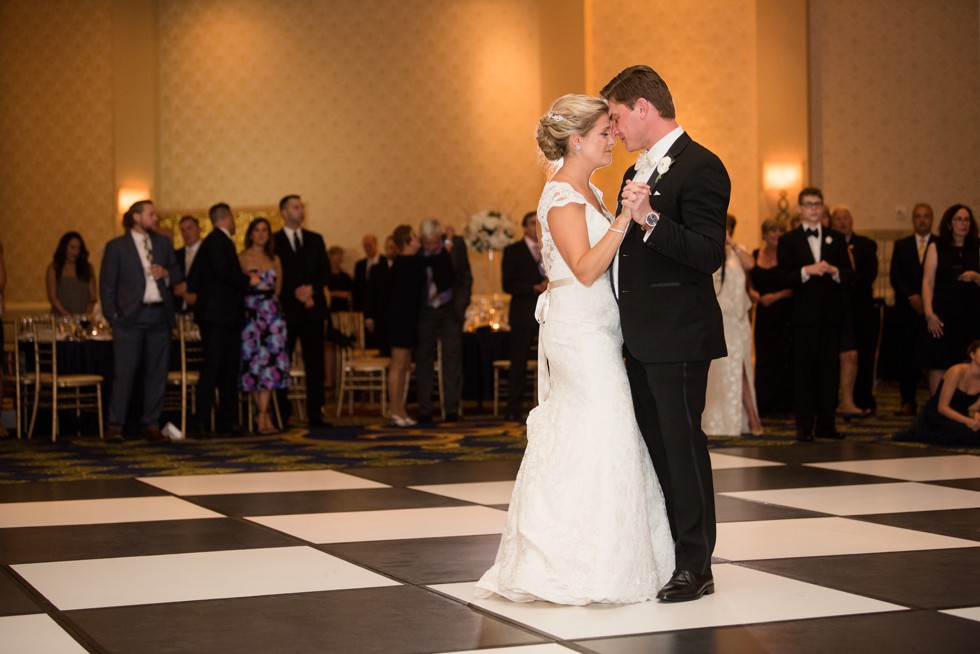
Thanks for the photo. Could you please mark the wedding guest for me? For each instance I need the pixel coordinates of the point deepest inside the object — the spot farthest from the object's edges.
(408, 280)
(859, 336)
(371, 293)
(3, 285)
(391, 250)
(730, 407)
(951, 291)
(951, 417)
(814, 263)
(905, 274)
(190, 231)
(264, 359)
(304, 278)
(440, 323)
(219, 313)
(70, 279)
(523, 277)
(339, 282)
(136, 270)
(773, 326)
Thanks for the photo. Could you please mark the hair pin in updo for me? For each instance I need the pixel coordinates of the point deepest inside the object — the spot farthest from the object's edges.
(555, 117)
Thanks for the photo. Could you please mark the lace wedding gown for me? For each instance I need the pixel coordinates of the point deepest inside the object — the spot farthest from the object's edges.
(587, 521)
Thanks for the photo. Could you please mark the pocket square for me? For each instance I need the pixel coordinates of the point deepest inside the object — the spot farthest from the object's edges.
(656, 193)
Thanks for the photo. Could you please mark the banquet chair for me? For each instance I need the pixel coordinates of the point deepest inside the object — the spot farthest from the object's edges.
(296, 393)
(50, 388)
(185, 379)
(361, 370)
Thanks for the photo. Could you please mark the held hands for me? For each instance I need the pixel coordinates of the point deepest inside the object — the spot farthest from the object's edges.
(970, 276)
(158, 272)
(541, 286)
(820, 268)
(636, 198)
(934, 325)
(304, 294)
(974, 423)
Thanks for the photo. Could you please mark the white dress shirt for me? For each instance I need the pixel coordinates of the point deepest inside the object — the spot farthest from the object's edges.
(144, 247)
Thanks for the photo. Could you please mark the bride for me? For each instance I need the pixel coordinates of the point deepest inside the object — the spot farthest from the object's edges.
(587, 521)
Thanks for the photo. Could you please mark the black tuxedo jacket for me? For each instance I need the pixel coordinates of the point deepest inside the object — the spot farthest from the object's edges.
(667, 301)
(371, 295)
(820, 299)
(308, 266)
(865, 252)
(519, 274)
(221, 284)
(906, 271)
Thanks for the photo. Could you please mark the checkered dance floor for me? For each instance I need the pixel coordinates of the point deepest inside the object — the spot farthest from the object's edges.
(822, 547)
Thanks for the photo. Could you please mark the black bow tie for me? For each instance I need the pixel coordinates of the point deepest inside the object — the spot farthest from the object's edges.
(814, 233)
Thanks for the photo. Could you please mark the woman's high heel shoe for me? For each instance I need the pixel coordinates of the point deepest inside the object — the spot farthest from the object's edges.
(401, 421)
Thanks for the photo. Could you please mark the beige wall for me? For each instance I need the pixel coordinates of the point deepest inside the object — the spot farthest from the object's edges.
(56, 134)
(895, 102)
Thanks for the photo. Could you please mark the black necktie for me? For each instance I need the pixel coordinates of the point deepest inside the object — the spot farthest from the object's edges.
(812, 233)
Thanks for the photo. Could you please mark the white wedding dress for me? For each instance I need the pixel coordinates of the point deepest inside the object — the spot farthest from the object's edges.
(587, 521)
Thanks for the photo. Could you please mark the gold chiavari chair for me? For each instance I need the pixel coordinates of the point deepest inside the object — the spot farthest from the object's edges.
(360, 370)
(182, 383)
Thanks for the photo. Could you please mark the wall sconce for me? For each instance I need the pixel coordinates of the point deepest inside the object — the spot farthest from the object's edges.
(129, 195)
(781, 177)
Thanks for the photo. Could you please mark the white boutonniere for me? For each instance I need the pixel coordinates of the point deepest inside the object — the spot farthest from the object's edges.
(828, 240)
(662, 167)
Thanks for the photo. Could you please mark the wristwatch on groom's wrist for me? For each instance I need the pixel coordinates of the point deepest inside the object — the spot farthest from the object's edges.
(650, 221)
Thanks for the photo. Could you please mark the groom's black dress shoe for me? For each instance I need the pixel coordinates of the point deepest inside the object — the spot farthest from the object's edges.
(685, 586)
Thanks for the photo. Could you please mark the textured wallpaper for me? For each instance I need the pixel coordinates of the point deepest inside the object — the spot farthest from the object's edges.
(705, 51)
(56, 138)
(895, 102)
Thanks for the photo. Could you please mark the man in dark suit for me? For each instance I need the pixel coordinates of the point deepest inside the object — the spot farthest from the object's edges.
(906, 278)
(304, 275)
(672, 325)
(439, 320)
(219, 312)
(813, 261)
(371, 293)
(859, 340)
(190, 231)
(137, 268)
(522, 277)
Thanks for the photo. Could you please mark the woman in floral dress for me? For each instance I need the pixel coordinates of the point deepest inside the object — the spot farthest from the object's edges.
(265, 361)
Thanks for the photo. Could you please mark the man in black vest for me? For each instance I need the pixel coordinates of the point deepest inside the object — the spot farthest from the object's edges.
(522, 277)
(906, 279)
(304, 275)
(672, 325)
(814, 263)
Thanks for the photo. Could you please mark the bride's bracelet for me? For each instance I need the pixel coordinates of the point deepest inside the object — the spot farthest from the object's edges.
(618, 231)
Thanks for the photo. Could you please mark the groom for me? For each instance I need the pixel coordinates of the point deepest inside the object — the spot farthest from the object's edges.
(672, 324)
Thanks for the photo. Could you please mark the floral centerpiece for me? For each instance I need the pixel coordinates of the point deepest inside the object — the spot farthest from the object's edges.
(489, 230)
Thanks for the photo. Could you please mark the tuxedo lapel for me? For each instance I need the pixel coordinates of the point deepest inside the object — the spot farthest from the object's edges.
(673, 152)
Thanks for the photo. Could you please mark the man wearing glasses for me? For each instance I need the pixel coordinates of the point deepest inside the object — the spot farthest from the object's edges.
(814, 263)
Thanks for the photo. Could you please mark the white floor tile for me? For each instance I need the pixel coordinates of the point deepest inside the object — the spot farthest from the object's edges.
(261, 482)
(195, 576)
(726, 461)
(972, 613)
(388, 525)
(782, 539)
(550, 648)
(924, 468)
(867, 499)
(88, 512)
(486, 492)
(37, 634)
(744, 597)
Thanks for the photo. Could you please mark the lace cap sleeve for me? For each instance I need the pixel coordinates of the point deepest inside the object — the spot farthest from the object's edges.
(557, 194)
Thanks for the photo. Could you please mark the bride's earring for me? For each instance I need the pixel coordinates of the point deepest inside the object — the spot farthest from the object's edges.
(578, 148)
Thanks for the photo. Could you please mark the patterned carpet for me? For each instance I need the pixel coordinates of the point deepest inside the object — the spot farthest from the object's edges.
(357, 441)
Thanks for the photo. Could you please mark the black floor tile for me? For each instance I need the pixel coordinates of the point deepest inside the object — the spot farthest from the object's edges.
(89, 489)
(931, 579)
(291, 503)
(965, 484)
(823, 451)
(733, 509)
(70, 542)
(424, 560)
(789, 476)
(903, 632)
(397, 620)
(14, 598)
(457, 472)
(958, 523)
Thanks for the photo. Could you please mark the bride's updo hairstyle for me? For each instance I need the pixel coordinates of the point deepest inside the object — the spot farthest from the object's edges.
(569, 115)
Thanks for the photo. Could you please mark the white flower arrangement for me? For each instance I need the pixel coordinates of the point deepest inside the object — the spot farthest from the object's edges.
(489, 230)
